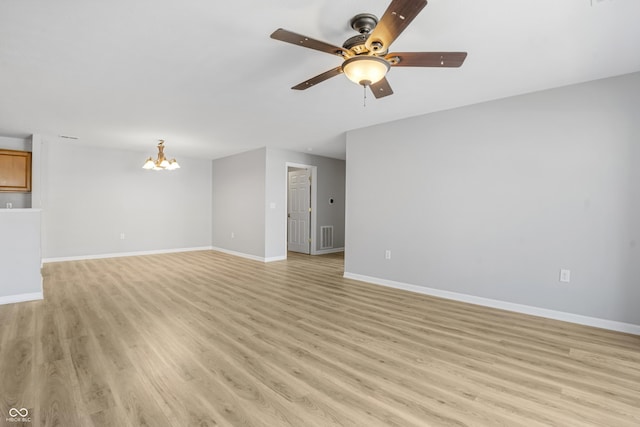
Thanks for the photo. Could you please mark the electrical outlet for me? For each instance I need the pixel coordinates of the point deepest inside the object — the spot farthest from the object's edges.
(233, 235)
(121, 236)
(387, 254)
(565, 276)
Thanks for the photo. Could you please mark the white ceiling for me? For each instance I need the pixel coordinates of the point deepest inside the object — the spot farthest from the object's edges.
(205, 76)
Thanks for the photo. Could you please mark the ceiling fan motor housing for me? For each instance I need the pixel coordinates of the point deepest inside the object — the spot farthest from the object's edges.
(364, 23)
(356, 44)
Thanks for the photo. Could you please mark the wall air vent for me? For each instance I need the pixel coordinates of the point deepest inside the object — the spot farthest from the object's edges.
(326, 237)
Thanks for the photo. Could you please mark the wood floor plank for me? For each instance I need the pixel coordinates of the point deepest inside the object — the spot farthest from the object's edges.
(111, 417)
(49, 340)
(133, 395)
(17, 376)
(91, 373)
(169, 390)
(7, 314)
(22, 324)
(217, 340)
(59, 403)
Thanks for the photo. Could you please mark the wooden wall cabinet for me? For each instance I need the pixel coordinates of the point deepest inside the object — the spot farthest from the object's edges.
(15, 171)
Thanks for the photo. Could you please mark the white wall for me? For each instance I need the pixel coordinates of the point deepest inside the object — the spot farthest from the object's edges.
(492, 200)
(92, 195)
(238, 196)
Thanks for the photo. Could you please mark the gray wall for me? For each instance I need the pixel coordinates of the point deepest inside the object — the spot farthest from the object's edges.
(238, 203)
(246, 185)
(492, 200)
(330, 184)
(91, 195)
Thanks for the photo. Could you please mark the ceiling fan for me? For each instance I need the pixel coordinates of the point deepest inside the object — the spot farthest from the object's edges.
(366, 56)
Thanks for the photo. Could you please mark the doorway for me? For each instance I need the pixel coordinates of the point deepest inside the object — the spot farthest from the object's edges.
(300, 209)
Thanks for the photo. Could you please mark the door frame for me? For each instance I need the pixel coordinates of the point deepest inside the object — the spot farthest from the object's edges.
(313, 198)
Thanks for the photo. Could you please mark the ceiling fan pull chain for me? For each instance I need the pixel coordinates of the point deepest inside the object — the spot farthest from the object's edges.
(364, 96)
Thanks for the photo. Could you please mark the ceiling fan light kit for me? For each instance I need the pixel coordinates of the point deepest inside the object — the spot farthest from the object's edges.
(365, 56)
(365, 70)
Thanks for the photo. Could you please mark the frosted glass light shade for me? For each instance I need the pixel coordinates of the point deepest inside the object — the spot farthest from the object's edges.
(173, 164)
(365, 70)
(149, 164)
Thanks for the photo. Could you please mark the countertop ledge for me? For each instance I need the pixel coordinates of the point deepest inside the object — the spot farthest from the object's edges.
(18, 210)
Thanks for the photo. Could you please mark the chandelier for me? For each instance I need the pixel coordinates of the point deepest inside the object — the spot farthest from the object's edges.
(161, 163)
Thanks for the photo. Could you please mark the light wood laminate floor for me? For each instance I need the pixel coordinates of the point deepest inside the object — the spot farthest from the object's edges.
(204, 338)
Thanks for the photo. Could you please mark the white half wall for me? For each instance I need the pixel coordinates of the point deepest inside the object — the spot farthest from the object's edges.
(20, 278)
(91, 196)
(492, 200)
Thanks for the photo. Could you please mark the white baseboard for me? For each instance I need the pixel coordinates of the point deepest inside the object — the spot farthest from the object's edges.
(328, 251)
(125, 254)
(271, 259)
(249, 256)
(503, 305)
(11, 299)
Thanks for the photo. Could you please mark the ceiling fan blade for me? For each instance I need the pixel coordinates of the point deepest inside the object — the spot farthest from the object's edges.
(381, 89)
(426, 59)
(300, 40)
(318, 79)
(396, 18)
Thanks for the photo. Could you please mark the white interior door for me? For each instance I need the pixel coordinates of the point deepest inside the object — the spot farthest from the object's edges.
(299, 211)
